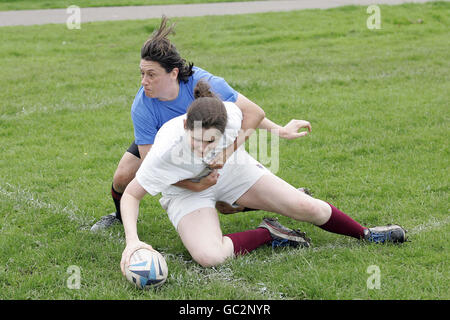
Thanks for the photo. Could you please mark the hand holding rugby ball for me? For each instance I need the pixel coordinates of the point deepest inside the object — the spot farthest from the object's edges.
(147, 269)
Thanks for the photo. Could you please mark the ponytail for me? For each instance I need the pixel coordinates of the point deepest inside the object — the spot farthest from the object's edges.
(203, 89)
(206, 108)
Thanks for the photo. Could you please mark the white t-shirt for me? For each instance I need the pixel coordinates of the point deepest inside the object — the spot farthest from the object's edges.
(171, 159)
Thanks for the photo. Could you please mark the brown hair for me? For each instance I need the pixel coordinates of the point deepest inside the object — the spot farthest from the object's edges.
(158, 48)
(206, 108)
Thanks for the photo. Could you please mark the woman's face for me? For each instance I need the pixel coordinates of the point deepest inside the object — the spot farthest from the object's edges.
(202, 141)
(157, 82)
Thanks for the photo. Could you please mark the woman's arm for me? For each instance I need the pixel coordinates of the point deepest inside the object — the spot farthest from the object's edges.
(203, 184)
(252, 115)
(289, 131)
(129, 207)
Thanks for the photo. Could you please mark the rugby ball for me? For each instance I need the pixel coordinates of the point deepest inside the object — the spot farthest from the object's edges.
(147, 269)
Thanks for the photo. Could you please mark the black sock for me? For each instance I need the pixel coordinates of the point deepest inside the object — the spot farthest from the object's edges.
(116, 198)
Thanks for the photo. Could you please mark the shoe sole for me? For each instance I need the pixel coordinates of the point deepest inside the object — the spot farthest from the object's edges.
(280, 234)
(97, 226)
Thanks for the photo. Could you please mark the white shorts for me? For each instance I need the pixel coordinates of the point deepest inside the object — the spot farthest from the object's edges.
(238, 175)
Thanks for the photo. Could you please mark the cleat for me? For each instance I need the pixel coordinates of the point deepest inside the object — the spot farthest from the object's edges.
(284, 237)
(390, 233)
(105, 222)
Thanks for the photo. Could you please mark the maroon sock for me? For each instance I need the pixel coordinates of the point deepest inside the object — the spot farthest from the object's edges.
(116, 198)
(247, 241)
(341, 223)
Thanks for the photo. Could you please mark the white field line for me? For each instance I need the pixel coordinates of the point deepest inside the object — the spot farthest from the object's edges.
(431, 224)
(24, 197)
(63, 105)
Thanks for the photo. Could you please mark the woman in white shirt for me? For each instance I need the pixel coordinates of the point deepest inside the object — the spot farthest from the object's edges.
(182, 149)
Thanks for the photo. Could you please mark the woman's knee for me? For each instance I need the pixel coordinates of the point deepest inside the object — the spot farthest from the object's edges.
(313, 210)
(122, 177)
(125, 172)
(210, 257)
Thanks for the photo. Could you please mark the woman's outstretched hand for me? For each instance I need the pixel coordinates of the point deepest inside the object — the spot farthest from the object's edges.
(291, 130)
(128, 252)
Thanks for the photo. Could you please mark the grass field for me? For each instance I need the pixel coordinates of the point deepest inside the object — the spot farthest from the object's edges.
(47, 4)
(378, 101)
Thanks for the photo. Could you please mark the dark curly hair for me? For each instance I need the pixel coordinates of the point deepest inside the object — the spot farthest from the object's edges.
(158, 48)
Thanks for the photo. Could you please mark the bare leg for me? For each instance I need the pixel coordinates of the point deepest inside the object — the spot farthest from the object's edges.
(201, 235)
(270, 193)
(226, 208)
(126, 171)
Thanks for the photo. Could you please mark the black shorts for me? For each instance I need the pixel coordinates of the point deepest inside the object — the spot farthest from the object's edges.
(134, 150)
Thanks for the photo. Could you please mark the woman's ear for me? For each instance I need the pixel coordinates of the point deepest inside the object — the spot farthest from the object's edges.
(174, 73)
(184, 124)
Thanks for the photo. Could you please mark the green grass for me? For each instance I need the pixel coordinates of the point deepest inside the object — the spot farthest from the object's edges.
(378, 104)
(52, 4)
